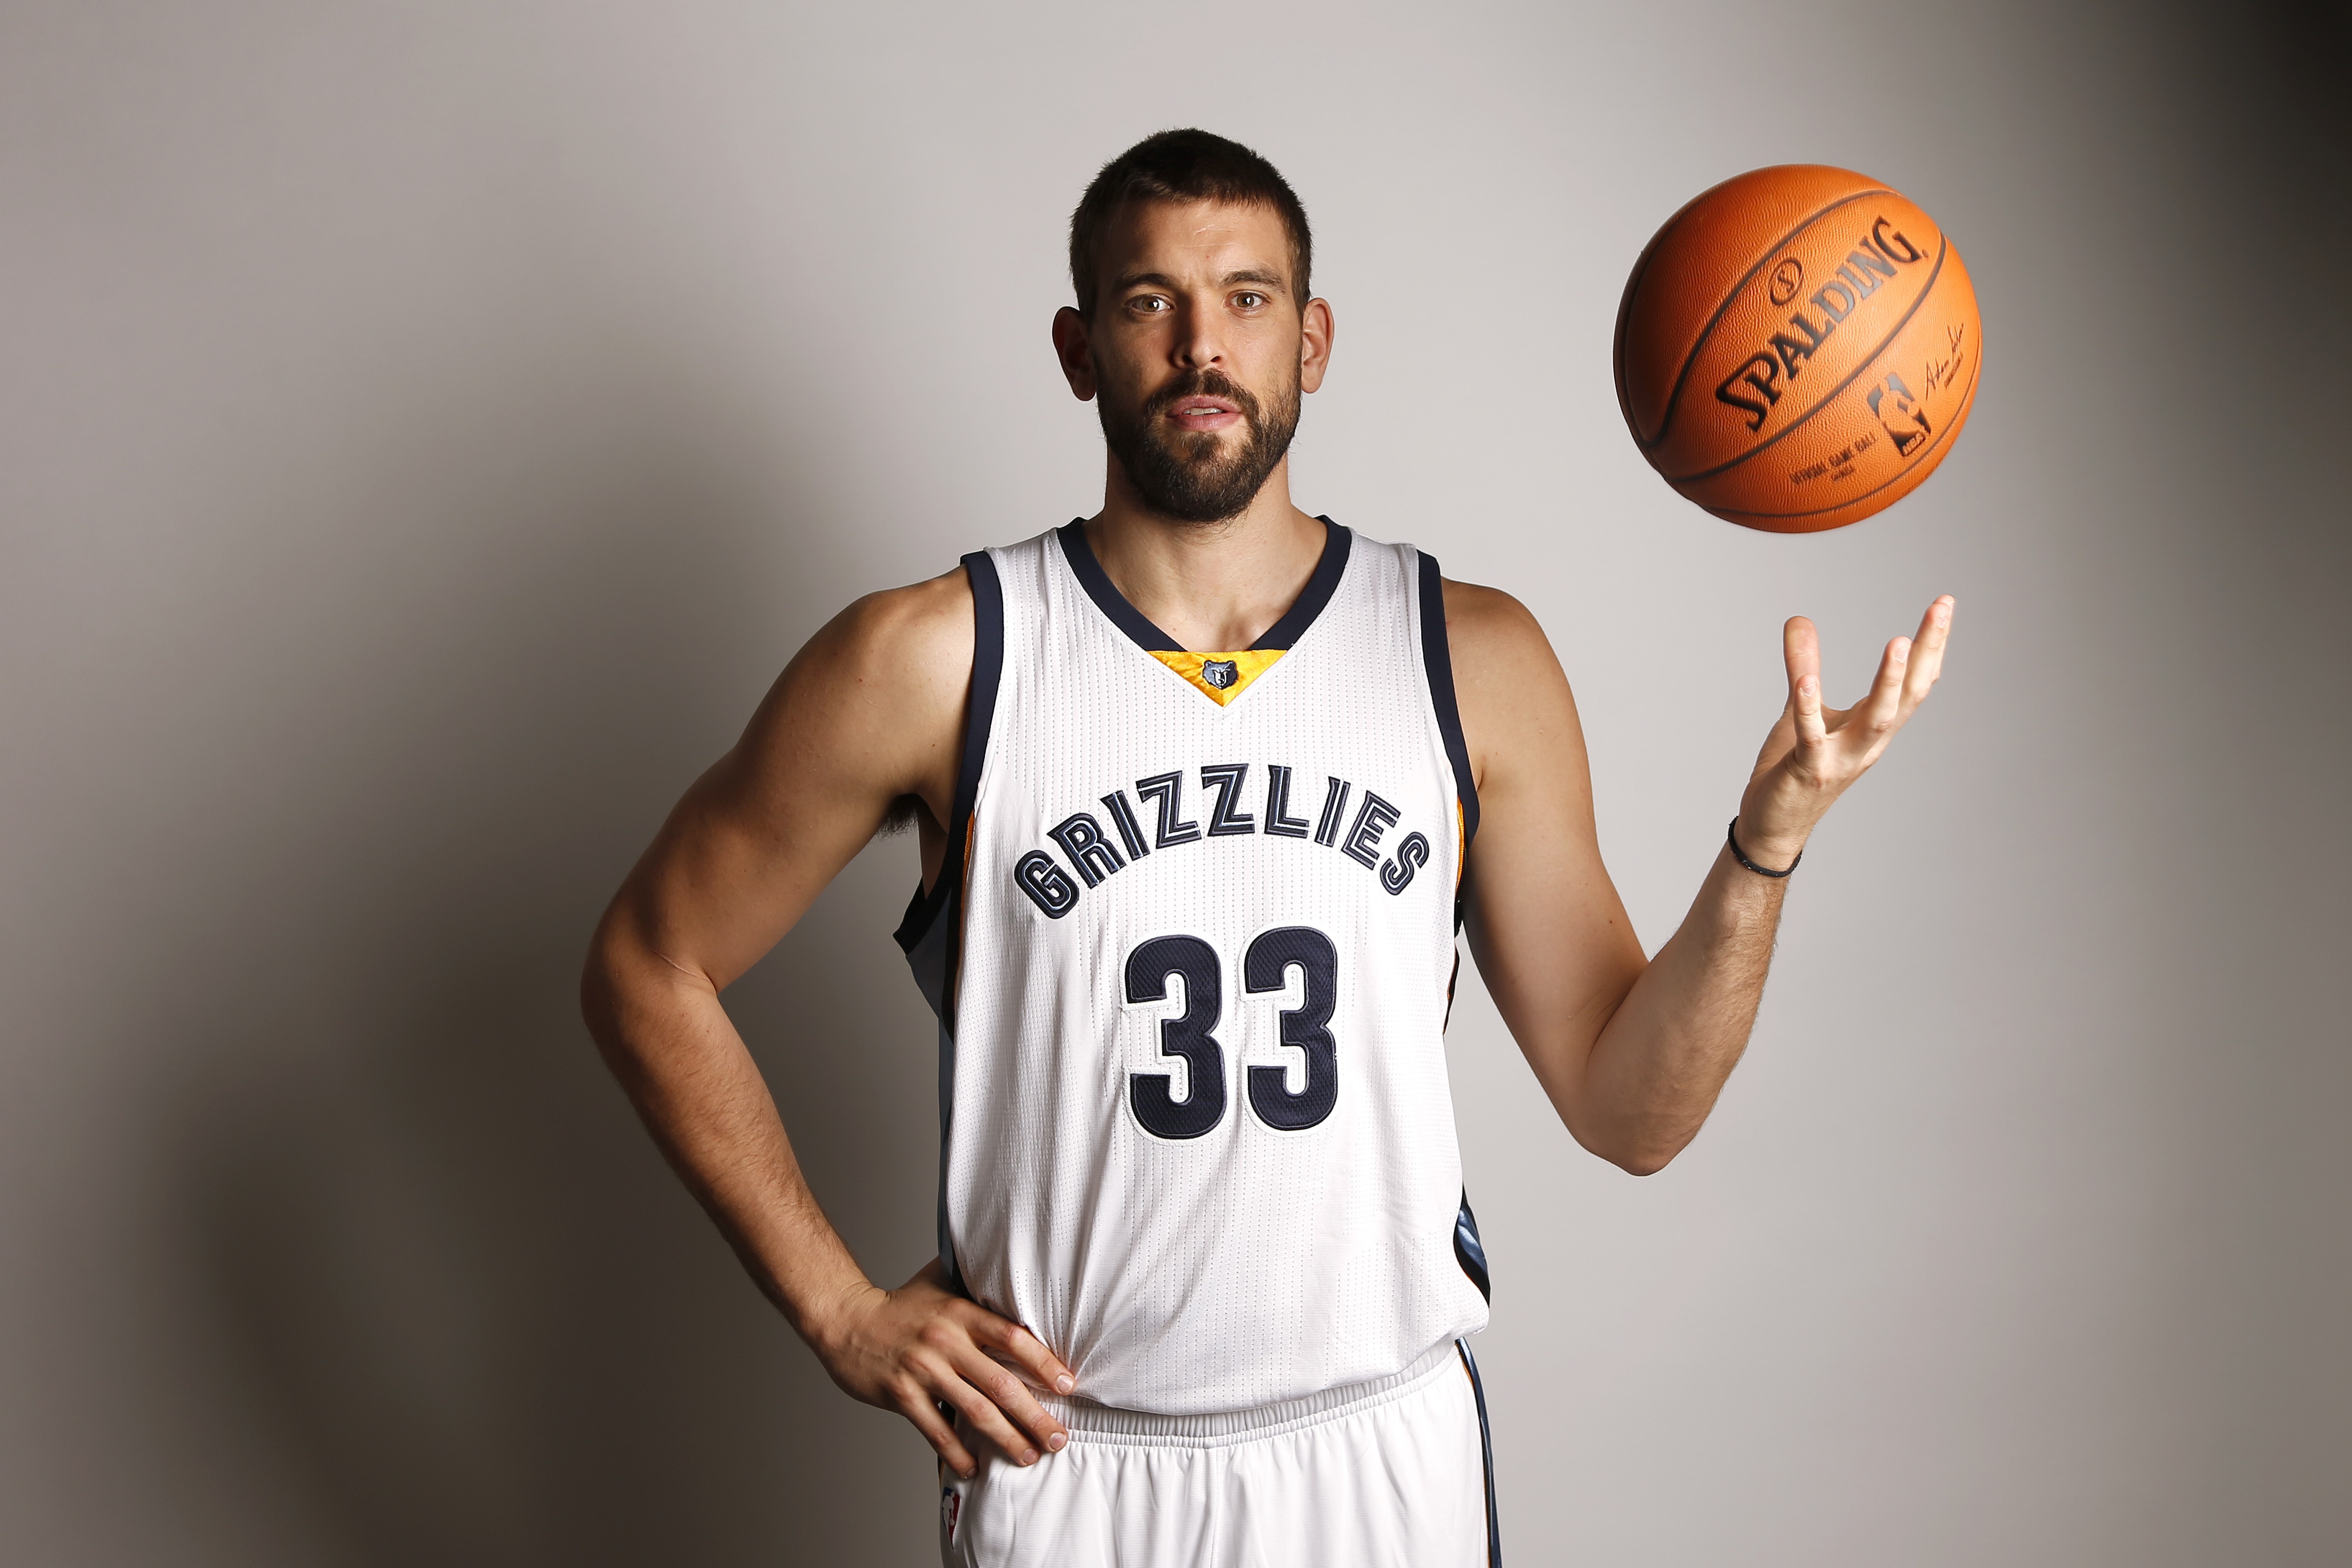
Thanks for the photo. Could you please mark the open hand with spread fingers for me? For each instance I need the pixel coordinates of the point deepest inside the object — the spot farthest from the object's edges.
(1815, 752)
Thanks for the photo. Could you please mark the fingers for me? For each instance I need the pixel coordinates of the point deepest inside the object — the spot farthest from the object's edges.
(1028, 1353)
(955, 1362)
(939, 1433)
(982, 1414)
(998, 1340)
(1908, 671)
(1011, 1403)
(936, 1393)
(1927, 653)
(1801, 648)
(1882, 711)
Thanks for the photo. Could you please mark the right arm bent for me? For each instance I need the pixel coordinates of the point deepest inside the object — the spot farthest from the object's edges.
(871, 712)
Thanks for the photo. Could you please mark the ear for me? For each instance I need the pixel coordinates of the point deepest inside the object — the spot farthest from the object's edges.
(1075, 348)
(1315, 326)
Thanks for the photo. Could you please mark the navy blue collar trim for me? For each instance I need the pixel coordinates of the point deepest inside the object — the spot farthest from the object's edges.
(1280, 636)
(1284, 633)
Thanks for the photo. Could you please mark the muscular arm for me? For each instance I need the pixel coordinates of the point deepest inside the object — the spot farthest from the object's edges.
(870, 713)
(1633, 1052)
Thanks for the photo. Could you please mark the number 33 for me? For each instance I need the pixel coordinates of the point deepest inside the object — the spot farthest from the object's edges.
(1265, 967)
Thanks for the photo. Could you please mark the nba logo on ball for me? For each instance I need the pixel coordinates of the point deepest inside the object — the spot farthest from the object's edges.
(1896, 410)
(1221, 672)
(1797, 349)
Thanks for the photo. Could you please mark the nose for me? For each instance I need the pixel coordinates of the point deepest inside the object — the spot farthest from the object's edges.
(1198, 343)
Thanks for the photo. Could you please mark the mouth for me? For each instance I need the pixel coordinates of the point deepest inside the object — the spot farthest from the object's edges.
(1204, 412)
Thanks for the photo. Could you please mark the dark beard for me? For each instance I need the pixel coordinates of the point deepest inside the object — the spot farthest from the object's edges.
(1178, 476)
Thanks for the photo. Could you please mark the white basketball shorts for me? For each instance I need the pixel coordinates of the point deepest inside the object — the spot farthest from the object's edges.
(1390, 1474)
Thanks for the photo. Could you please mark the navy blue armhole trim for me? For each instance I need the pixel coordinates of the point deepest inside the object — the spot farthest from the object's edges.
(924, 908)
(1486, 1455)
(932, 932)
(1325, 581)
(1437, 660)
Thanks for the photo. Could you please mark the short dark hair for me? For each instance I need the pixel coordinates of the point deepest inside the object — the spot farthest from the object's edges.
(1186, 165)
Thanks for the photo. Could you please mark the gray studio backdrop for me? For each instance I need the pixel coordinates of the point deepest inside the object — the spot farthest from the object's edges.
(425, 430)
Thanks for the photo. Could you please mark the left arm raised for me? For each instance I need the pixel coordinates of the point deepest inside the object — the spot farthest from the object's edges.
(1633, 1052)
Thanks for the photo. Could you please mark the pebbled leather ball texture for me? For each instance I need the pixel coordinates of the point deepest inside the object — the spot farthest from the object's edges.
(1797, 348)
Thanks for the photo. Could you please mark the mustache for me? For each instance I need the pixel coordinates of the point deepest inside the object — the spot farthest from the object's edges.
(1202, 383)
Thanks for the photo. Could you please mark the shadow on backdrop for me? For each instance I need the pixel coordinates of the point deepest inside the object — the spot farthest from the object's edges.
(476, 1318)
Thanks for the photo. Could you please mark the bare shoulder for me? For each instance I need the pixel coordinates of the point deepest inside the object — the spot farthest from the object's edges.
(877, 693)
(909, 636)
(1485, 627)
(1497, 643)
(1506, 679)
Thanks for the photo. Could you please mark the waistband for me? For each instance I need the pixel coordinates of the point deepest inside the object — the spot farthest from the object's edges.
(1090, 1421)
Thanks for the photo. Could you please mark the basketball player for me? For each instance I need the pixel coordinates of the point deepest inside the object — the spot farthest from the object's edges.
(1205, 786)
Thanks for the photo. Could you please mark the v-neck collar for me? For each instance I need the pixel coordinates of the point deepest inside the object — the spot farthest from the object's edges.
(1284, 633)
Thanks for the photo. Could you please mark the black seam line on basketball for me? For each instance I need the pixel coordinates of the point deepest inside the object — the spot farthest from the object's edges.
(1966, 399)
(1707, 331)
(1867, 361)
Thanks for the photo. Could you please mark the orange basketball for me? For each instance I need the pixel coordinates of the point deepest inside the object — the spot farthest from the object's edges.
(1797, 349)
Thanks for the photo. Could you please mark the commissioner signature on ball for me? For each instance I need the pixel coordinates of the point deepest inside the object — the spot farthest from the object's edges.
(1947, 370)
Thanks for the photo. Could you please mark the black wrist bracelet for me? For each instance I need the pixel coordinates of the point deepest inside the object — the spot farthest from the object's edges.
(1731, 838)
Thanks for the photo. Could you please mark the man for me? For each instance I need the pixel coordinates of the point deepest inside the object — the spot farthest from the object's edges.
(1205, 786)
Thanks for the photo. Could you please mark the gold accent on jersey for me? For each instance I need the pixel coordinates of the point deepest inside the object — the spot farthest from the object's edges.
(1237, 668)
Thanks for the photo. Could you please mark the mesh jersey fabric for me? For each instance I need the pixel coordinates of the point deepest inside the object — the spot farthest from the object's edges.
(1197, 1132)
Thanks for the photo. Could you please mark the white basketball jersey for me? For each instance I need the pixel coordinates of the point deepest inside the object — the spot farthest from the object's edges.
(1196, 1131)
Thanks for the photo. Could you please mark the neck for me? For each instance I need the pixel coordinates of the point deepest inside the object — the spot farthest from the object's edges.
(1215, 588)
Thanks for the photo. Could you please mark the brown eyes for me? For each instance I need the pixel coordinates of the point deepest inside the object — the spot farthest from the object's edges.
(1159, 305)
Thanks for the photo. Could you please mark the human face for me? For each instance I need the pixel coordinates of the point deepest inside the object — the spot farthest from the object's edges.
(1199, 353)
